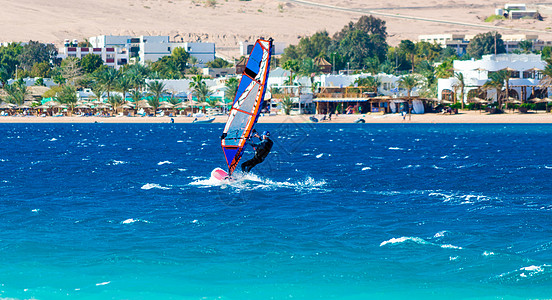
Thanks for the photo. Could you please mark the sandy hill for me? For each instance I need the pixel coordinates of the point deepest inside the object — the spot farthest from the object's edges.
(227, 22)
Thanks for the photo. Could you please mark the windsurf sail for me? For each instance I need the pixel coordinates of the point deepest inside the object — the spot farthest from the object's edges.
(247, 103)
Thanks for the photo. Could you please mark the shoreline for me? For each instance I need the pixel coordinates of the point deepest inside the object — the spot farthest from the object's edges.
(461, 117)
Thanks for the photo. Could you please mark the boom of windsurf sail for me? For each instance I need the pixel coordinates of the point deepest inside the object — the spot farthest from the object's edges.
(247, 103)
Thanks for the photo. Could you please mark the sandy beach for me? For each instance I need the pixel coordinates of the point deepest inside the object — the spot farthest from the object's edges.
(462, 117)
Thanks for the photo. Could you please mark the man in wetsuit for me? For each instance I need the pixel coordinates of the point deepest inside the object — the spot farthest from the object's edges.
(262, 149)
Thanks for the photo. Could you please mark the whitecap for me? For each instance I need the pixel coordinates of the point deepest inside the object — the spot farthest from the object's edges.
(103, 283)
(117, 162)
(131, 220)
(182, 170)
(443, 157)
(449, 246)
(52, 140)
(319, 155)
(403, 239)
(149, 186)
(180, 141)
(35, 210)
(366, 168)
(548, 167)
(440, 234)
(164, 162)
(395, 148)
(488, 253)
(358, 164)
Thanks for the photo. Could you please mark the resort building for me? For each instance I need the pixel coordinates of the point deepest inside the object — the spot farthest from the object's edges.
(151, 48)
(460, 42)
(525, 71)
(112, 56)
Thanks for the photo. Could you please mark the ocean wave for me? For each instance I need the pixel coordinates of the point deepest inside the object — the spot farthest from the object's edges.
(251, 181)
(488, 253)
(131, 220)
(403, 239)
(319, 155)
(522, 273)
(149, 186)
(103, 283)
(417, 240)
(366, 168)
(166, 162)
(395, 148)
(460, 198)
(52, 140)
(116, 162)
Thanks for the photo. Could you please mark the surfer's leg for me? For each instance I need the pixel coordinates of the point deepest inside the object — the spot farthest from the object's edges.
(246, 166)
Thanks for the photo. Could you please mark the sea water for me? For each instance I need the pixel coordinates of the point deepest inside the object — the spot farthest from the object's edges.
(355, 211)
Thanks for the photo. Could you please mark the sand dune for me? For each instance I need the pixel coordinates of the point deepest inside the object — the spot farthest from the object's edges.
(228, 22)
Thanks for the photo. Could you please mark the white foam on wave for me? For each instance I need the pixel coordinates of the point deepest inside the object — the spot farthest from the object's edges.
(488, 253)
(116, 162)
(166, 162)
(52, 140)
(149, 186)
(548, 167)
(251, 181)
(131, 220)
(440, 234)
(319, 155)
(526, 272)
(403, 239)
(416, 240)
(103, 283)
(449, 246)
(3, 160)
(366, 168)
(36, 210)
(395, 148)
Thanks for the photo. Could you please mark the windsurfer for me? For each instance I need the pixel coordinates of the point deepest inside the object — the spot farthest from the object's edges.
(262, 149)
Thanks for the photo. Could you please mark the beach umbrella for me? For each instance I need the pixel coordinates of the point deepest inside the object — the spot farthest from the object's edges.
(82, 106)
(144, 105)
(43, 107)
(126, 106)
(202, 104)
(52, 103)
(166, 105)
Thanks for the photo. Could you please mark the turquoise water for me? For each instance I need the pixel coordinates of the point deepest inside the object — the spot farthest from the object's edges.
(363, 211)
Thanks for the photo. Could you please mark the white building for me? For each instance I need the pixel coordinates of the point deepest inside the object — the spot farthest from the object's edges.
(112, 56)
(523, 68)
(460, 42)
(151, 48)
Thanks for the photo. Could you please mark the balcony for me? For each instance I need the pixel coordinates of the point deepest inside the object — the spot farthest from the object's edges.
(110, 60)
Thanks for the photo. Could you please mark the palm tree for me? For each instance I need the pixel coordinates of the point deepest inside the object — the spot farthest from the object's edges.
(68, 95)
(107, 78)
(546, 80)
(136, 96)
(115, 101)
(156, 89)
(231, 88)
(408, 82)
(372, 83)
(16, 92)
(200, 88)
(287, 104)
(310, 69)
(4, 76)
(98, 91)
(497, 81)
(461, 85)
(124, 84)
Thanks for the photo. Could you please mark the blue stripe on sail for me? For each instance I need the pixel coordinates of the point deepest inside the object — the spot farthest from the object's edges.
(230, 153)
(244, 83)
(255, 58)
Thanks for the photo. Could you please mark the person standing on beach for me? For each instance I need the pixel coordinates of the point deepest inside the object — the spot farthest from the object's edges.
(262, 149)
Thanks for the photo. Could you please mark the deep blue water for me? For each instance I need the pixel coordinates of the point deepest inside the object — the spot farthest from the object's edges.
(127, 211)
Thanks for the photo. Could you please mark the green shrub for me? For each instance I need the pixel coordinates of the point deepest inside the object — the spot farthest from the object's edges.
(494, 17)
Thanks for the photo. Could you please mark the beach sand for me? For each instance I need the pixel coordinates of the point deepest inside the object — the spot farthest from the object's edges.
(462, 117)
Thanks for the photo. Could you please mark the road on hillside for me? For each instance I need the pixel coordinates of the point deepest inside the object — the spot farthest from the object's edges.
(379, 13)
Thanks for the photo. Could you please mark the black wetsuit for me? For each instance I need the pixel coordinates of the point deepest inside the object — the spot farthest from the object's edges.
(262, 149)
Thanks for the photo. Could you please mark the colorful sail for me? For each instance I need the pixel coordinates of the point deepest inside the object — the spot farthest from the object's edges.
(247, 103)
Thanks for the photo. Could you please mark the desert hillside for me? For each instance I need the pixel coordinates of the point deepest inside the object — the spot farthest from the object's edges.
(227, 22)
